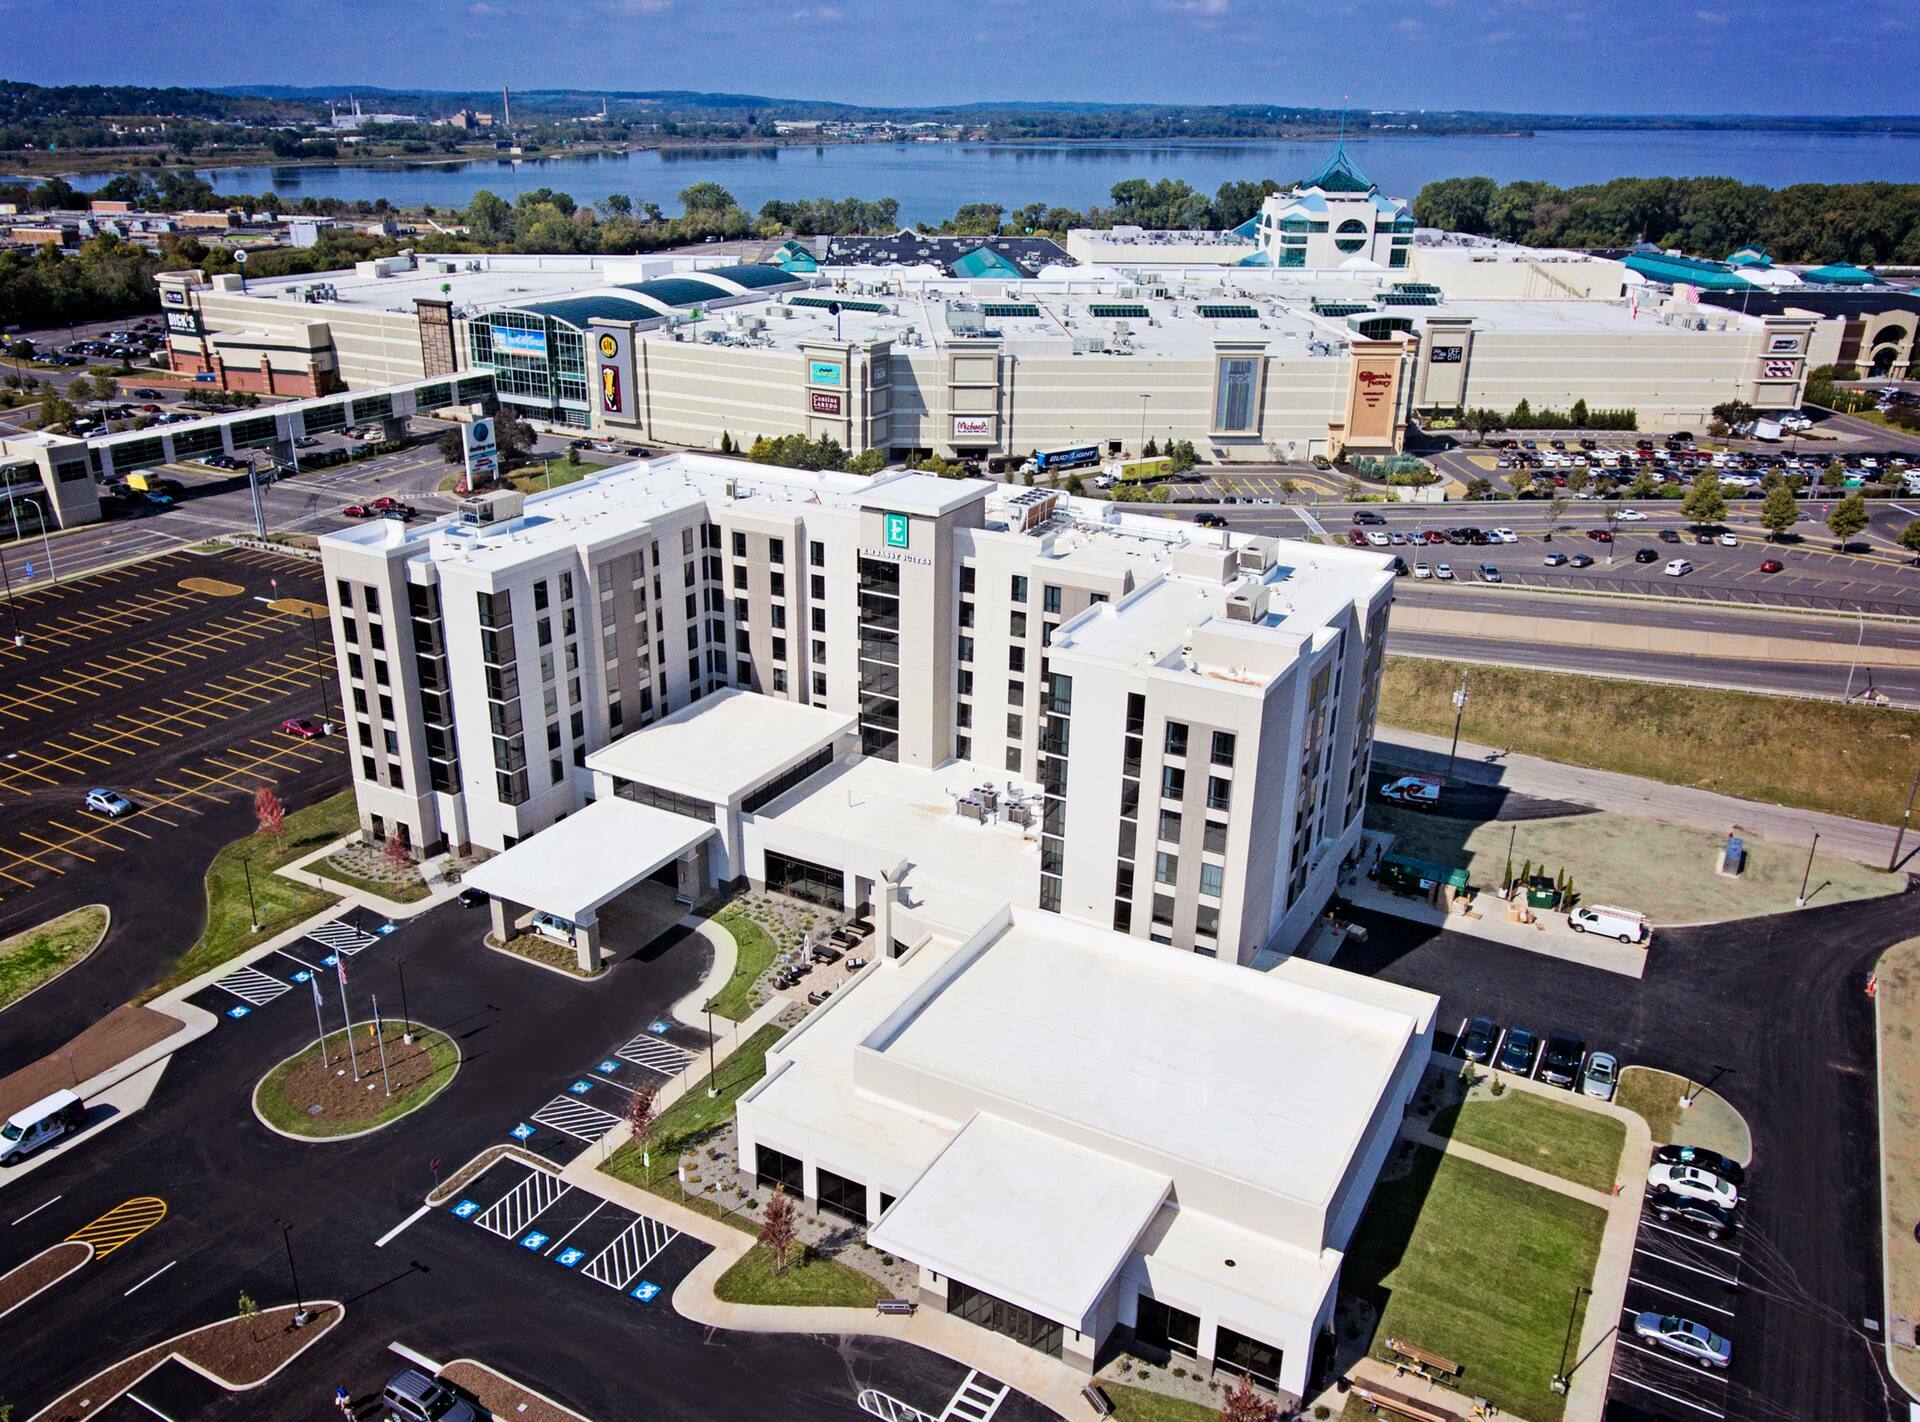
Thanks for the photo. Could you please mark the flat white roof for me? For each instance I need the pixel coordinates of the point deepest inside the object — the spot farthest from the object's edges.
(927, 494)
(1046, 1222)
(577, 864)
(1261, 1079)
(722, 746)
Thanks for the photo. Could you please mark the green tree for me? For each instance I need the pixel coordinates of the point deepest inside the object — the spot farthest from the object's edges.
(513, 435)
(706, 198)
(1848, 517)
(1705, 501)
(1478, 487)
(1578, 415)
(1779, 512)
(1910, 536)
(1643, 485)
(451, 448)
(1182, 456)
(867, 461)
(56, 409)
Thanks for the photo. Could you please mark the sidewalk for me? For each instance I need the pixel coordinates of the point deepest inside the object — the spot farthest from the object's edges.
(1631, 794)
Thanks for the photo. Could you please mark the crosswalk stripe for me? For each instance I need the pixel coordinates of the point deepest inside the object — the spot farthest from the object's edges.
(655, 1055)
(575, 1118)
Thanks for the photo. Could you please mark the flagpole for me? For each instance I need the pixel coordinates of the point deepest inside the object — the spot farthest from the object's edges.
(320, 1026)
(340, 971)
(380, 1037)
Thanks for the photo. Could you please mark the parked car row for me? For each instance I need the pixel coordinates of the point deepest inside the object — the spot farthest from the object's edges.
(381, 508)
(1561, 1060)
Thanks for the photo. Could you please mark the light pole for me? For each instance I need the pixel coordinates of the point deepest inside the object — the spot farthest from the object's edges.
(1859, 638)
(1459, 714)
(1801, 902)
(1905, 815)
(320, 670)
(253, 913)
(299, 1308)
(405, 1015)
(13, 610)
(1141, 448)
(45, 545)
(1560, 1379)
(713, 1085)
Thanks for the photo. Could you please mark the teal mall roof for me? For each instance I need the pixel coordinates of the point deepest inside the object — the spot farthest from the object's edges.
(1841, 274)
(1338, 175)
(1710, 276)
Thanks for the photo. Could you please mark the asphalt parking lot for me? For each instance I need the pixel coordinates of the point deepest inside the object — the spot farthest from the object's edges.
(1680, 1274)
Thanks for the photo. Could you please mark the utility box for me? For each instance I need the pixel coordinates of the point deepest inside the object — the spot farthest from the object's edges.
(1733, 858)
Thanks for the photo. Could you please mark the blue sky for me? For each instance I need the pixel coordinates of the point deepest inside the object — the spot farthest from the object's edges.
(1611, 56)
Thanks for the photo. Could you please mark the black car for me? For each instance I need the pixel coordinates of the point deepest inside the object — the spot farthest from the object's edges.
(1517, 1053)
(1646, 555)
(1560, 1063)
(1669, 535)
(1712, 1162)
(1209, 520)
(1701, 1216)
(470, 898)
(1476, 1043)
(1367, 516)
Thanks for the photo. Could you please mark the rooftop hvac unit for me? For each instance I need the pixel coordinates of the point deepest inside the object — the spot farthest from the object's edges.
(1258, 554)
(499, 506)
(1247, 604)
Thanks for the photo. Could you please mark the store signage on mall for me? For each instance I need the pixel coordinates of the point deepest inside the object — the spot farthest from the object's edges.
(823, 372)
(1778, 370)
(972, 427)
(482, 452)
(613, 356)
(1448, 355)
(823, 402)
(509, 341)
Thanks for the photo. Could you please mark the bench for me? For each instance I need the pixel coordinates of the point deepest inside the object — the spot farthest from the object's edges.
(906, 1306)
(1420, 1360)
(1101, 1404)
(1398, 1404)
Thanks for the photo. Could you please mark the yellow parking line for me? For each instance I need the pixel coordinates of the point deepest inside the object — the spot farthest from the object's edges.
(27, 770)
(186, 790)
(56, 848)
(84, 755)
(288, 748)
(22, 854)
(121, 1225)
(99, 838)
(7, 873)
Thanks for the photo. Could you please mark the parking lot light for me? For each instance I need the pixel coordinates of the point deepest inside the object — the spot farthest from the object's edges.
(1562, 1379)
(13, 610)
(253, 912)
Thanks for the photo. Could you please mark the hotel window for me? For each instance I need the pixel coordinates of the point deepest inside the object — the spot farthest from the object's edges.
(1219, 792)
(778, 584)
(966, 649)
(817, 554)
(739, 544)
(777, 1170)
(817, 586)
(1019, 588)
(779, 679)
(1163, 911)
(966, 614)
(818, 616)
(1216, 838)
(1223, 747)
(843, 1197)
(1173, 782)
(740, 575)
(776, 550)
(1170, 826)
(1236, 1353)
(1136, 713)
(1163, 1326)
(1237, 383)
(966, 579)
(1016, 625)
(1176, 738)
(1166, 868)
(1122, 916)
(1213, 878)
(820, 684)
(540, 596)
(1013, 759)
(1050, 599)
(963, 714)
(962, 748)
(966, 683)
(1016, 659)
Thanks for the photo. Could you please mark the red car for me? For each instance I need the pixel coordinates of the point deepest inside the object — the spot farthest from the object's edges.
(1600, 535)
(1772, 565)
(357, 511)
(1356, 538)
(381, 505)
(301, 726)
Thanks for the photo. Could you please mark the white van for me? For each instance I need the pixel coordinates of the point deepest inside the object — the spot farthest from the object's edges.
(1624, 924)
(40, 1124)
(551, 925)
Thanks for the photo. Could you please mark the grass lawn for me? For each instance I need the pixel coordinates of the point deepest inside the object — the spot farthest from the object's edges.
(693, 1119)
(38, 955)
(281, 902)
(1710, 1122)
(428, 1065)
(735, 998)
(1577, 1145)
(1847, 760)
(1899, 1012)
(812, 1280)
(1665, 871)
(1137, 1404)
(400, 892)
(1478, 1266)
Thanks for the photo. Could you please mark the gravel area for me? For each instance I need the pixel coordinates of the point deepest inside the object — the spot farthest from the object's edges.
(502, 1396)
(119, 1035)
(38, 1272)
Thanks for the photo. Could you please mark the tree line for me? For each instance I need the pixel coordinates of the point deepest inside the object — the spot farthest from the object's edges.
(1808, 222)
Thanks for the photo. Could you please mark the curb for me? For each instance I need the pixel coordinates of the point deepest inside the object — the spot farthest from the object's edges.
(253, 1097)
(513, 1383)
(107, 928)
(86, 1245)
(581, 979)
(440, 1194)
(1886, 1239)
(726, 957)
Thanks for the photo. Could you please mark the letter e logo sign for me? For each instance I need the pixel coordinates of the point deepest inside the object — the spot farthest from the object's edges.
(896, 530)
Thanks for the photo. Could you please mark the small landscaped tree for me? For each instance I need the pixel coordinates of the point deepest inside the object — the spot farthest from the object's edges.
(642, 1114)
(399, 858)
(777, 1231)
(451, 448)
(270, 813)
(1779, 512)
(1243, 1404)
(246, 1308)
(1848, 517)
(1910, 536)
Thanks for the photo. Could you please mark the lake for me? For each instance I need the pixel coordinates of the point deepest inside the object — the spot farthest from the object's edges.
(931, 179)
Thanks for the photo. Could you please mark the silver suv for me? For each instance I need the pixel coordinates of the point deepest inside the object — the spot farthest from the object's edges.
(411, 1396)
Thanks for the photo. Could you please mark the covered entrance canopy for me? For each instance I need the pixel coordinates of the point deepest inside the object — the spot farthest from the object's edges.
(575, 866)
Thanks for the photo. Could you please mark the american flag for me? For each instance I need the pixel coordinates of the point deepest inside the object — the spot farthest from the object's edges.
(340, 967)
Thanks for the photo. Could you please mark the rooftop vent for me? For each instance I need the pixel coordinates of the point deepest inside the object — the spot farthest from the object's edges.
(1248, 603)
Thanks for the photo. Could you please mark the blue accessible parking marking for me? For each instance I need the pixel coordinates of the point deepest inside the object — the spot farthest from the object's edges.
(466, 1208)
(384, 929)
(581, 1088)
(521, 1131)
(646, 1292)
(332, 960)
(302, 976)
(609, 1066)
(658, 1027)
(570, 1257)
(238, 1010)
(533, 1241)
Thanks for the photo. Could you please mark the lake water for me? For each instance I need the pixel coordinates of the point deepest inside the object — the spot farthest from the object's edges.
(931, 179)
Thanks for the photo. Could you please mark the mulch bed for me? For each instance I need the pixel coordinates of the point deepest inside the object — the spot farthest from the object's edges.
(502, 1396)
(237, 1351)
(339, 1096)
(542, 949)
(38, 1272)
(451, 1186)
(119, 1035)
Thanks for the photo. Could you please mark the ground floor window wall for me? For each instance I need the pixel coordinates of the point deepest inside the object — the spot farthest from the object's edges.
(804, 879)
(981, 1308)
(776, 1170)
(1167, 1328)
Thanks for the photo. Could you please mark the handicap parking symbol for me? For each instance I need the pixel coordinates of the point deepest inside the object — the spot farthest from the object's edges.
(332, 960)
(609, 1065)
(581, 1088)
(384, 929)
(570, 1257)
(658, 1027)
(238, 1010)
(646, 1292)
(521, 1131)
(533, 1241)
(465, 1209)
(302, 976)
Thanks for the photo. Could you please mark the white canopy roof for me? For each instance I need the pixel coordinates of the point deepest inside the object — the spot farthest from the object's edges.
(577, 864)
(722, 746)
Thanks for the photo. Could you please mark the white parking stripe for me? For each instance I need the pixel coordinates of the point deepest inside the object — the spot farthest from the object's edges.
(1674, 1293)
(1671, 1397)
(515, 1210)
(570, 1233)
(650, 1052)
(573, 1117)
(620, 1263)
(342, 937)
(1690, 1238)
(253, 987)
(1693, 1369)
(1690, 1268)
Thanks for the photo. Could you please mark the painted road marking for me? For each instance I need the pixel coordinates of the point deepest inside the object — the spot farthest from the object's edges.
(570, 1233)
(655, 1055)
(1661, 1392)
(121, 1225)
(38, 1208)
(519, 1207)
(135, 1397)
(1672, 1293)
(567, 1258)
(342, 937)
(252, 986)
(393, 1233)
(466, 1209)
(1690, 1268)
(154, 1275)
(576, 1119)
(533, 1241)
(646, 1293)
(620, 1263)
